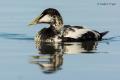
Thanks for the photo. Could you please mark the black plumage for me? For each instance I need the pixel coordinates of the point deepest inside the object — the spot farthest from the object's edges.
(57, 32)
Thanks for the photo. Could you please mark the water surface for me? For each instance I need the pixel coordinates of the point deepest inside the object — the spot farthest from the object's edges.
(22, 59)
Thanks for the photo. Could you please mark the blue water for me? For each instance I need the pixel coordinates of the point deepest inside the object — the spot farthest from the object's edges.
(21, 60)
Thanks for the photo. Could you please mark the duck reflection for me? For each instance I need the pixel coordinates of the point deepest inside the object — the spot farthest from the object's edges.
(81, 47)
(50, 57)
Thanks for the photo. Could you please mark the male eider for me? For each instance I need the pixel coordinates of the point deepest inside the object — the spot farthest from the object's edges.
(57, 32)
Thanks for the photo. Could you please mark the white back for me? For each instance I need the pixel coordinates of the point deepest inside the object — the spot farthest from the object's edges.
(76, 33)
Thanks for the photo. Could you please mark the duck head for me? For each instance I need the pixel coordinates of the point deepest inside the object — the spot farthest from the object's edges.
(49, 16)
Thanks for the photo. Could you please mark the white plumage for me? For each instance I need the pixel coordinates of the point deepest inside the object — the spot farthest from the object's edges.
(58, 32)
(76, 33)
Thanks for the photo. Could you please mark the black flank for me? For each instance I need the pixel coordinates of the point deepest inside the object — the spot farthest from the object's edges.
(88, 36)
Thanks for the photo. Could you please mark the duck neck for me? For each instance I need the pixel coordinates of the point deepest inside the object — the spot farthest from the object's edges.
(57, 23)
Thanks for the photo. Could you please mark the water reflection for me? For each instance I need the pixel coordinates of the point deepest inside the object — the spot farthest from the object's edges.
(49, 63)
(50, 55)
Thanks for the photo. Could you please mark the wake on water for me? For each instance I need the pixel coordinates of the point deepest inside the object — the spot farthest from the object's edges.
(16, 36)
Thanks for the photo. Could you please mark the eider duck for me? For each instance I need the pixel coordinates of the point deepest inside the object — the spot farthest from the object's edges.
(58, 32)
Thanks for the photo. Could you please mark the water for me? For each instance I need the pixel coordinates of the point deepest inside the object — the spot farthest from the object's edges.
(21, 60)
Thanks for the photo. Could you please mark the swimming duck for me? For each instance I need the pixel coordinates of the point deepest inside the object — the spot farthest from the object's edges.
(58, 32)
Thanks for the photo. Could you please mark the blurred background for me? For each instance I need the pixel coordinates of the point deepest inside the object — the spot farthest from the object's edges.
(17, 45)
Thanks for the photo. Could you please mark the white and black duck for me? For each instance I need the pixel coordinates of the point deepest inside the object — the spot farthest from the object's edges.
(58, 32)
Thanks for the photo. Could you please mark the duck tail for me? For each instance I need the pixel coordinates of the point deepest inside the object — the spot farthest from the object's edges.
(103, 33)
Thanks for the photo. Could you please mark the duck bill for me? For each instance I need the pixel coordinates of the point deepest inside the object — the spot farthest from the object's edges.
(35, 21)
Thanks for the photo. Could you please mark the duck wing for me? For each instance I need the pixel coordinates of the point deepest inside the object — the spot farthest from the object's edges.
(79, 33)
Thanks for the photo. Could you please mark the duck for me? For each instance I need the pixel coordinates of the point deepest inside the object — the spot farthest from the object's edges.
(58, 32)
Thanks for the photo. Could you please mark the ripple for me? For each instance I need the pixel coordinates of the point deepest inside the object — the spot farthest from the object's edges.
(15, 36)
(111, 39)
